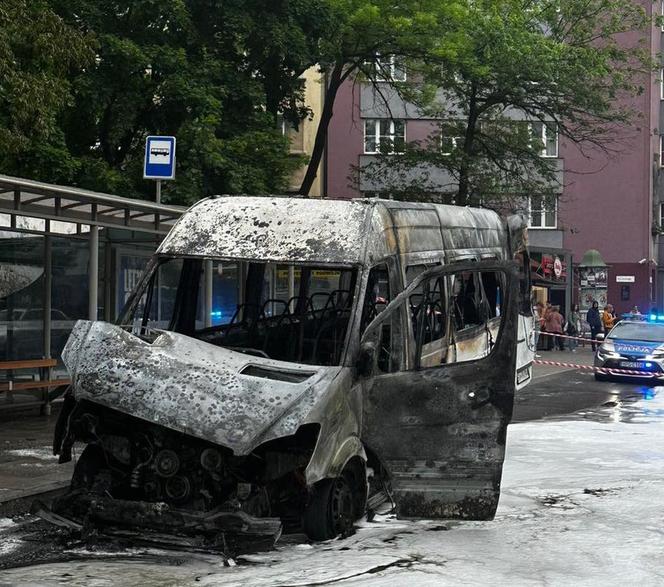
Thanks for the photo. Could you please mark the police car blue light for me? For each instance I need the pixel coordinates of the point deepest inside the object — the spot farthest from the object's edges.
(651, 317)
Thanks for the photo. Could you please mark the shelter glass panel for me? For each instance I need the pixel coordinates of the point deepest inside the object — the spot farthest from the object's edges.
(21, 296)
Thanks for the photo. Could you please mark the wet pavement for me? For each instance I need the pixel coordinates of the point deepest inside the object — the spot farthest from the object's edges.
(27, 464)
(565, 423)
(557, 391)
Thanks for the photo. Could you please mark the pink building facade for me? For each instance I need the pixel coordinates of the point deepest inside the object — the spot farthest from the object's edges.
(608, 202)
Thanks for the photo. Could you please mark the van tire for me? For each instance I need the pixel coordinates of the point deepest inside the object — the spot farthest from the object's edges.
(599, 377)
(331, 509)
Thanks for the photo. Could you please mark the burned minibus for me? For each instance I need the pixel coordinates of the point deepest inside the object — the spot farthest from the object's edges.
(289, 364)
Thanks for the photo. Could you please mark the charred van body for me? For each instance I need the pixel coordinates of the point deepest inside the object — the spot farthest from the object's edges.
(286, 364)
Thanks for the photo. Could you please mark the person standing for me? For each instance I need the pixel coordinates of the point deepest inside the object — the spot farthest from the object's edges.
(537, 324)
(608, 318)
(544, 315)
(554, 325)
(595, 322)
(574, 327)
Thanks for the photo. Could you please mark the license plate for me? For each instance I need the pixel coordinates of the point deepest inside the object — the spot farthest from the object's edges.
(631, 365)
(522, 375)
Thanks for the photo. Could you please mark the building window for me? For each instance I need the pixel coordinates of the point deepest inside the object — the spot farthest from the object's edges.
(384, 136)
(451, 136)
(543, 211)
(387, 68)
(295, 136)
(661, 12)
(661, 150)
(661, 83)
(661, 215)
(544, 136)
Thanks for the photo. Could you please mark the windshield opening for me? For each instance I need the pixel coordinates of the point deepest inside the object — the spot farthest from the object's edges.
(638, 331)
(297, 313)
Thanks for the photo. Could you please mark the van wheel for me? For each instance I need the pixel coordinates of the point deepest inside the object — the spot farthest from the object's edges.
(599, 377)
(331, 508)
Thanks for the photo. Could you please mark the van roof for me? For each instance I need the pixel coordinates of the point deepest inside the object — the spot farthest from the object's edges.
(287, 229)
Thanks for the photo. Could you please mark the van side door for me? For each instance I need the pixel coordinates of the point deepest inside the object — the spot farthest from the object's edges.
(439, 425)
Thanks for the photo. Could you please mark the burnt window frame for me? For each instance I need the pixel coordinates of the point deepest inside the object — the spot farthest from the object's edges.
(507, 268)
(398, 358)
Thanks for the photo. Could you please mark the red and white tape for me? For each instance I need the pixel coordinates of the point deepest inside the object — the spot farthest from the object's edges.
(568, 336)
(603, 370)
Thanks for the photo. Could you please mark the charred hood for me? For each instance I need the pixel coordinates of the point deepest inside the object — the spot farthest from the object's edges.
(216, 394)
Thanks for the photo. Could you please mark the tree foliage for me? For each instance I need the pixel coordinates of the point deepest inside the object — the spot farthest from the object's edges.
(83, 82)
(39, 54)
(366, 31)
(216, 74)
(559, 64)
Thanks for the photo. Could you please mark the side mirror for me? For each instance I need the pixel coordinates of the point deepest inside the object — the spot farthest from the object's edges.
(366, 358)
(599, 336)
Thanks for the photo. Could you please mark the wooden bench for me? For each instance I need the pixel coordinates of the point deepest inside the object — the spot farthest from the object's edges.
(44, 383)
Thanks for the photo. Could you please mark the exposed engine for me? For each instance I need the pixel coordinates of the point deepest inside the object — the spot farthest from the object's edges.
(129, 459)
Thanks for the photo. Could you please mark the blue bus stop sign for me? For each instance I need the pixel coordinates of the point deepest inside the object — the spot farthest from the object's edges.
(159, 158)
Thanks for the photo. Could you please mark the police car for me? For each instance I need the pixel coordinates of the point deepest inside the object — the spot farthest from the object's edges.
(635, 345)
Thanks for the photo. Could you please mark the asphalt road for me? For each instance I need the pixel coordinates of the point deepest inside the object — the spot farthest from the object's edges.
(563, 392)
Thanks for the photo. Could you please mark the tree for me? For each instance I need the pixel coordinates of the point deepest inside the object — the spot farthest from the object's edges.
(521, 71)
(214, 73)
(367, 33)
(38, 55)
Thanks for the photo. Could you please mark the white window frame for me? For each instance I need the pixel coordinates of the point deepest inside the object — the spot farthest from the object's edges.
(455, 139)
(377, 135)
(386, 68)
(661, 150)
(288, 131)
(543, 212)
(544, 136)
(661, 83)
(661, 13)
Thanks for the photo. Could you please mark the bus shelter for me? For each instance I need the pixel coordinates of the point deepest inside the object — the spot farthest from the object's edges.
(68, 254)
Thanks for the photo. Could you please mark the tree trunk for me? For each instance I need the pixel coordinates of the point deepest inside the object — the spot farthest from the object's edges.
(468, 151)
(337, 77)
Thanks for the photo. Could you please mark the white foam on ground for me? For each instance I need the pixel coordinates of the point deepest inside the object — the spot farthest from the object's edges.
(43, 454)
(582, 504)
(8, 545)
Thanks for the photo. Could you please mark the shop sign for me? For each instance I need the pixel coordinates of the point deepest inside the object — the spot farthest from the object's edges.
(557, 267)
(548, 268)
(625, 279)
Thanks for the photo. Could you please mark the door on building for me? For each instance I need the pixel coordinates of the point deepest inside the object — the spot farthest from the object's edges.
(557, 297)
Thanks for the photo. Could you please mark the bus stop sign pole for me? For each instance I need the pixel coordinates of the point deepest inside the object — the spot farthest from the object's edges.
(159, 160)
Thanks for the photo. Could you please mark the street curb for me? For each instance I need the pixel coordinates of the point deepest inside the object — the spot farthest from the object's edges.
(20, 505)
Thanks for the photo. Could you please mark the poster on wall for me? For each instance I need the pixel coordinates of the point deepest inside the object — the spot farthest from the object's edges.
(588, 296)
(591, 277)
(130, 269)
